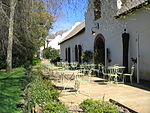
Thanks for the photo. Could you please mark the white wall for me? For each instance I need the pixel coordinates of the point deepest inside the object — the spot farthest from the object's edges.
(137, 25)
(80, 39)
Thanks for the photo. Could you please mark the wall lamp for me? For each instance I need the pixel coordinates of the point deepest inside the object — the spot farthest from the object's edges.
(96, 27)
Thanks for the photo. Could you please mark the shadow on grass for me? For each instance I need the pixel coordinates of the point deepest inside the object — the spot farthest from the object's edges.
(11, 86)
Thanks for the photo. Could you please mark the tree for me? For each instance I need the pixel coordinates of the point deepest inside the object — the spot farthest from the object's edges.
(10, 36)
(42, 22)
(24, 24)
(51, 53)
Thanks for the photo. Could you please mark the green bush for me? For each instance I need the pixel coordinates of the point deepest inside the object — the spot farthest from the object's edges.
(18, 61)
(51, 53)
(95, 106)
(36, 61)
(42, 92)
(55, 107)
(87, 56)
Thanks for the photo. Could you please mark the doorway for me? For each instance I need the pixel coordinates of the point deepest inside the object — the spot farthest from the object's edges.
(99, 49)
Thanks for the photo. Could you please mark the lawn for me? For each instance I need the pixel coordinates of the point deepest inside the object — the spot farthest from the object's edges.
(11, 86)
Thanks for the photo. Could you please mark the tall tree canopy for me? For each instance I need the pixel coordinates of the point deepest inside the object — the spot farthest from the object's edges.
(31, 22)
(31, 25)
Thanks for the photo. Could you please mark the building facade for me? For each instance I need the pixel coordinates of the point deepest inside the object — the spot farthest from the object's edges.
(105, 26)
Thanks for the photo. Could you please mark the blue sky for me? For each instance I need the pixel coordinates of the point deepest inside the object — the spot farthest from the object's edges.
(72, 13)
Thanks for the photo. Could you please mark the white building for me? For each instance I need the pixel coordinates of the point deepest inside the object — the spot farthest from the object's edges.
(105, 23)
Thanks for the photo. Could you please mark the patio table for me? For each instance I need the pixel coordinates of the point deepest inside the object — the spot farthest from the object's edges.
(116, 67)
(114, 72)
(64, 73)
(53, 69)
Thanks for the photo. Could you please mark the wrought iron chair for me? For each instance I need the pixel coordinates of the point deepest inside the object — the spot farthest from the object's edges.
(129, 74)
(104, 72)
(112, 75)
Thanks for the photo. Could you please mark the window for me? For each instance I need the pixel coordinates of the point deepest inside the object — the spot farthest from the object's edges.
(97, 9)
(69, 55)
(79, 52)
(66, 54)
(76, 53)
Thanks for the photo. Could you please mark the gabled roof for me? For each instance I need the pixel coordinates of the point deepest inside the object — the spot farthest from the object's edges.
(74, 32)
(129, 6)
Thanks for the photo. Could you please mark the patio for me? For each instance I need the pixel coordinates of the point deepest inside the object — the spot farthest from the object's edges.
(133, 97)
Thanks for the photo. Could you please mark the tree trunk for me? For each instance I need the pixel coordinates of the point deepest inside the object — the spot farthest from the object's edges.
(10, 36)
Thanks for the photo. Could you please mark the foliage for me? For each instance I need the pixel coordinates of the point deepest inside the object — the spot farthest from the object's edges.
(95, 106)
(87, 56)
(42, 92)
(30, 29)
(55, 107)
(2, 61)
(99, 56)
(11, 86)
(42, 22)
(36, 61)
(51, 53)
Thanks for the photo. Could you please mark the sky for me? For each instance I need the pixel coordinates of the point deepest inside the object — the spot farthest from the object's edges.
(71, 13)
(58, 38)
(72, 16)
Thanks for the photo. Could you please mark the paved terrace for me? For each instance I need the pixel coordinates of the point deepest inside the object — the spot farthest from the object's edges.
(135, 98)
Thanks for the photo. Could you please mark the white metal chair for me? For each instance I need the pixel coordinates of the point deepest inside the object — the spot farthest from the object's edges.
(104, 72)
(112, 75)
(129, 74)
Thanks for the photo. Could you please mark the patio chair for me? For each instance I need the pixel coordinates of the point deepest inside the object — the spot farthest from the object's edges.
(120, 73)
(113, 75)
(65, 65)
(129, 74)
(104, 72)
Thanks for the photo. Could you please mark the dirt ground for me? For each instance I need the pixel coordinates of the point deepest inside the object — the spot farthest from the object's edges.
(95, 88)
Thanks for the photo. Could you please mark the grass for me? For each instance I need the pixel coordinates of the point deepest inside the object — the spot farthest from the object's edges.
(10, 90)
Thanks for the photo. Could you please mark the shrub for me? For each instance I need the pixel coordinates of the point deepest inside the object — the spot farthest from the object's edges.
(51, 53)
(55, 107)
(36, 61)
(95, 106)
(87, 56)
(42, 92)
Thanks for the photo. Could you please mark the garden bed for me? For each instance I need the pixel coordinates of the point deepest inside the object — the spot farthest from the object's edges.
(122, 108)
(88, 105)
